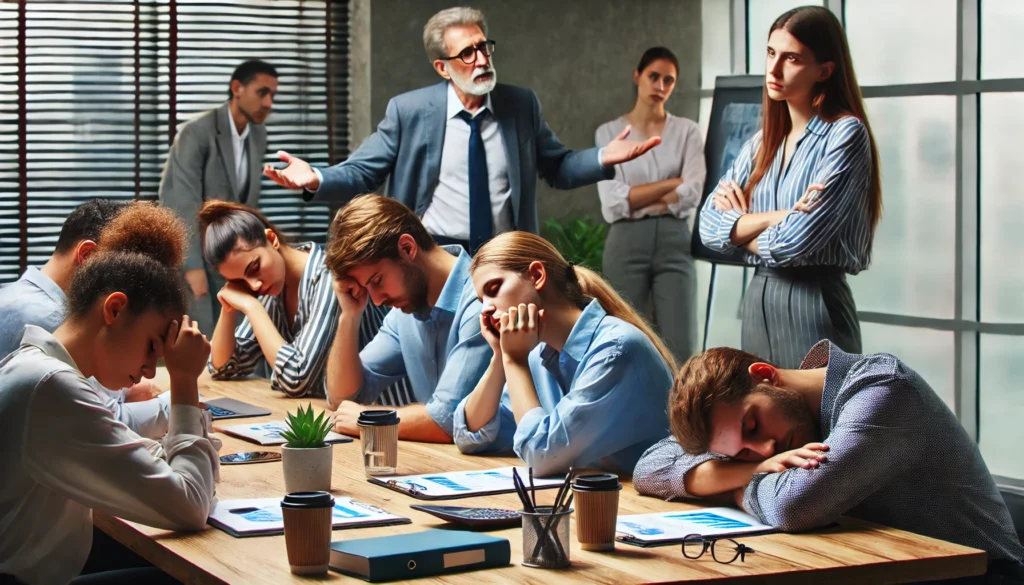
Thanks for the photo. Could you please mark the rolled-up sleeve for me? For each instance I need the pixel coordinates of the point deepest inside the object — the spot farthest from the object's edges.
(695, 171)
(496, 435)
(464, 366)
(716, 226)
(662, 470)
(382, 361)
(247, 354)
(299, 367)
(614, 193)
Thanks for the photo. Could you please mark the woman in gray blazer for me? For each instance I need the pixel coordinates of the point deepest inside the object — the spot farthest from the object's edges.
(649, 203)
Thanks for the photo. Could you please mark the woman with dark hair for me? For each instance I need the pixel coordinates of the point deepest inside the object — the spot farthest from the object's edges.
(649, 204)
(62, 452)
(578, 378)
(286, 298)
(804, 195)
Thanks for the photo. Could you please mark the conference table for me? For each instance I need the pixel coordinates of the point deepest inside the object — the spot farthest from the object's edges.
(851, 552)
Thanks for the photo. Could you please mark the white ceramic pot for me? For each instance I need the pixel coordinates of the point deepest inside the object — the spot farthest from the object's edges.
(307, 470)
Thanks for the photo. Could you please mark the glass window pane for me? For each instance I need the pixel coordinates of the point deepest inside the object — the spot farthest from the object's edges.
(704, 116)
(928, 352)
(1002, 208)
(902, 42)
(913, 258)
(1001, 23)
(715, 41)
(726, 304)
(760, 16)
(1000, 430)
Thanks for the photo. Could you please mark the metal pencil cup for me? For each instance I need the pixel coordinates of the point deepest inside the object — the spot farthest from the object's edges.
(544, 546)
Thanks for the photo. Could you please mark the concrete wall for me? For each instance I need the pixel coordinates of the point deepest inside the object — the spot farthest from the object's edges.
(578, 55)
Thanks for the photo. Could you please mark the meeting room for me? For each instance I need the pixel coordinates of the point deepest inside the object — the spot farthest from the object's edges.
(693, 291)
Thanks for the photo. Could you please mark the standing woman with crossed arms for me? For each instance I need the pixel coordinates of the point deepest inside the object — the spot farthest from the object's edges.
(804, 195)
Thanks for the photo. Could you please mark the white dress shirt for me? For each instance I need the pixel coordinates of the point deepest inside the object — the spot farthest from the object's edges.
(448, 214)
(63, 454)
(680, 155)
(241, 156)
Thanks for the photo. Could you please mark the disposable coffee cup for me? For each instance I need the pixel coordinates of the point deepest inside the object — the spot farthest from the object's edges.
(597, 510)
(307, 531)
(378, 434)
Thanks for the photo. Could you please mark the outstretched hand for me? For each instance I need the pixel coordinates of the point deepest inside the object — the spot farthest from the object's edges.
(297, 175)
(622, 150)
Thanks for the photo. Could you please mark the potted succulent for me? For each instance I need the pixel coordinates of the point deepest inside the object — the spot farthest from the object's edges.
(306, 458)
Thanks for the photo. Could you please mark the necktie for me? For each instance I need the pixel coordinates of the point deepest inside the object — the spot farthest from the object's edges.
(481, 226)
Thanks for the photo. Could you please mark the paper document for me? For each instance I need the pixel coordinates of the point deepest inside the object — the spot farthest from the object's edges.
(461, 484)
(269, 433)
(262, 516)
(674, 526)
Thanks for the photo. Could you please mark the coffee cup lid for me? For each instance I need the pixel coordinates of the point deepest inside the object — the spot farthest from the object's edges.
(308, 500)
(601, 482)
(378, 418)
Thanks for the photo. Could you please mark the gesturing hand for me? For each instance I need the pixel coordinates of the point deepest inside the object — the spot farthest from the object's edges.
(520, 332)
(621, 150)
(297, 175)
(807, 457)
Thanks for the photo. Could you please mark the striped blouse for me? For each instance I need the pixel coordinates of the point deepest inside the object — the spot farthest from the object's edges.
(301, 365)
(838, 232)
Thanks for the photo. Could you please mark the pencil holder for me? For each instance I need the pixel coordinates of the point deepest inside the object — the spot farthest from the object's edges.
(546, 538)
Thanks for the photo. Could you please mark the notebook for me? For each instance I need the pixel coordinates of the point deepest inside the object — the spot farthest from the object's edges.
(262, 517)
(461, 484)
(269, 433)
(645, 530)
(420, 554)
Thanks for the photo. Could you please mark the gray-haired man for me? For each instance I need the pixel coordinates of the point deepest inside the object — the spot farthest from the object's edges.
(465, 153)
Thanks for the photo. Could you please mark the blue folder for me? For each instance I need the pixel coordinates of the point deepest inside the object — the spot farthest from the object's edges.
(420, 554)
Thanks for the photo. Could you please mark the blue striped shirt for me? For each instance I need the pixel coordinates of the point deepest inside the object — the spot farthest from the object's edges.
(897, 456)
(301, 364)
(838, 232)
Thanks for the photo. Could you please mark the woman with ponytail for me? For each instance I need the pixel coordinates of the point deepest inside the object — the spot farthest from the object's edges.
(62, 451)
(804, 195)
(577, 378)
(285, 297)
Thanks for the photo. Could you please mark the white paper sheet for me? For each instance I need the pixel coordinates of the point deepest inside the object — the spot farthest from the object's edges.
(673, 526)
(263, 515)
(269, 433)
(466, 483)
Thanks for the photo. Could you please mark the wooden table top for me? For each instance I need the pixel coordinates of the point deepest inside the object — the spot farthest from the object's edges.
(853, 552)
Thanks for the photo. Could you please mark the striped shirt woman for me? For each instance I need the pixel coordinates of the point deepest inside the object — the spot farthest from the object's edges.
(286, 298)
(803, 196)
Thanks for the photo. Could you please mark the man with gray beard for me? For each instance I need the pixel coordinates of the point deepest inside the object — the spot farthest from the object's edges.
(465, 153)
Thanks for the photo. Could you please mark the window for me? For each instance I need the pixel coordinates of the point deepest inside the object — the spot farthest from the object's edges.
(106, 83)
(902, 42)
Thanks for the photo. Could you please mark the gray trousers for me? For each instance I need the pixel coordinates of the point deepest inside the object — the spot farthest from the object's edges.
(648, 261)
(206, 310)
(787, 311)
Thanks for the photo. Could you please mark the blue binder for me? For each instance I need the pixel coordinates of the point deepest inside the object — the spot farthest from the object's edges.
(420, 554)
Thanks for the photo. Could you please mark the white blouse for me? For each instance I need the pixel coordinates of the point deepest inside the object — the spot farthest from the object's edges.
(63, 454)
(680, 154)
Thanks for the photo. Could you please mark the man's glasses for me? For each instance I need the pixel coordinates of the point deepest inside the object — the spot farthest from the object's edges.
(468, 55)
(723, 550)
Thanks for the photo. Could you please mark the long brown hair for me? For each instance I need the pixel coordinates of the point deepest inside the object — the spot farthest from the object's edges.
(515, 251)
(838, 96)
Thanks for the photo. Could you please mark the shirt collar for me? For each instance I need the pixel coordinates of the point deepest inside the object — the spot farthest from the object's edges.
(231, 127)
(455, 104)
(48, 344)
(45, 284)
(581, 336)
(838, 363)
(451, 293)
(818, 126)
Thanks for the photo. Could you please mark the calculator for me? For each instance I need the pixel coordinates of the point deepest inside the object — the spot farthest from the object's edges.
(473, 518)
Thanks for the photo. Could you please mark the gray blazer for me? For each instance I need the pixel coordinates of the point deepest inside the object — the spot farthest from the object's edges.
(201, 166)
(408, 142)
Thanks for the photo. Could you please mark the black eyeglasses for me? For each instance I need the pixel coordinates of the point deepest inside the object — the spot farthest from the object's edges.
(723, 550)
(468, 55)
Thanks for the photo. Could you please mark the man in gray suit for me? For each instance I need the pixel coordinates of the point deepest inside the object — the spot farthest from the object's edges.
(465, 153)
(218, 155)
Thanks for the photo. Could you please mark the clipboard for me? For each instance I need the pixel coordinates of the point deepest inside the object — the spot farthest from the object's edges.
(460, 484)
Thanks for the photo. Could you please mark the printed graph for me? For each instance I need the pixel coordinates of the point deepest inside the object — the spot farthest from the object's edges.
(708, 519)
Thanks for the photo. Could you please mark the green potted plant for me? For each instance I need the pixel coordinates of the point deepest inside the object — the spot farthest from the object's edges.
(306, 457)
(579, 240)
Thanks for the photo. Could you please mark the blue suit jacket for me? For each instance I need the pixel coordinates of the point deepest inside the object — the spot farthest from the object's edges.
(408, 142)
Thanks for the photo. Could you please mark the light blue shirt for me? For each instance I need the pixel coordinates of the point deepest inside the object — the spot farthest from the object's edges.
(836, 233)
(33, 299)
(442, 352)
(602, 400)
